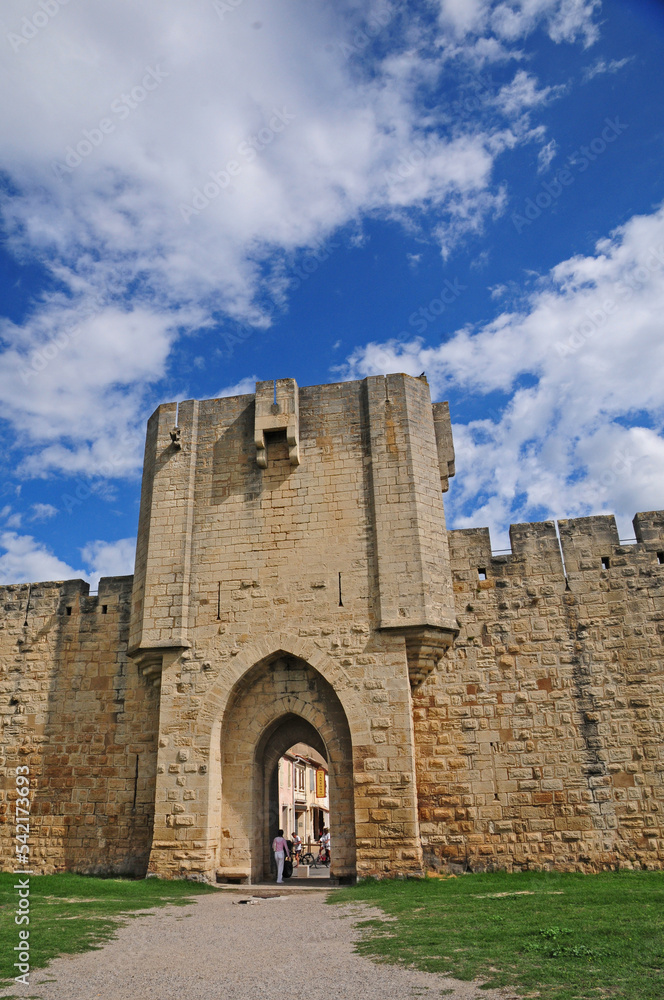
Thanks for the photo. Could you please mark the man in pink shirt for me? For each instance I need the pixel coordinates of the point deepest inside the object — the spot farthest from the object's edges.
(280, 848)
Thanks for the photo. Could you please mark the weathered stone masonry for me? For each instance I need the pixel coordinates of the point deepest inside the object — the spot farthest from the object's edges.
(75, 711)
(295, 581)
(540, 742)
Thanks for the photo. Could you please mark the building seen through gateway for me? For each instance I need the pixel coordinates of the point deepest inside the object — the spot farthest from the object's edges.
(301, 809)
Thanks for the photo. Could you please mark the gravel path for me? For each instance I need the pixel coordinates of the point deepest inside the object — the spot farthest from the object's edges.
(218, 948)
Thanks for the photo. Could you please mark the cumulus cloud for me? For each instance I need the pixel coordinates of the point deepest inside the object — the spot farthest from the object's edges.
(571, 20)
(522, 93)
(109, 559)
(244, 387)
(582, 357)
(26, 560)
(165, 165)
(42, 511)
(73, 382)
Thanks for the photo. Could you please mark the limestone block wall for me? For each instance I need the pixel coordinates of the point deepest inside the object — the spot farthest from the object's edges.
(540, 738)
(73, 709)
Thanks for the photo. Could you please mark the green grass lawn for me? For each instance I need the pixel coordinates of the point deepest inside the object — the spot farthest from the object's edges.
(555, 936)
(73, 913)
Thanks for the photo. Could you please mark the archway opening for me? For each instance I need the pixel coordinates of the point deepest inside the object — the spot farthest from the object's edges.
(301, 791)
(281, 704)
(287, 759)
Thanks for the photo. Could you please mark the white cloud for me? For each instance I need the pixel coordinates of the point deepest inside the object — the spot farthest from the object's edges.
(74, 382)
(42, 511)
(522, 94)
(244, 387)
(26, 560)
(109, 559)
(546, 155)
(271, 138)
(601, 66)
(578, 364)
(569, 20)
(464, 17)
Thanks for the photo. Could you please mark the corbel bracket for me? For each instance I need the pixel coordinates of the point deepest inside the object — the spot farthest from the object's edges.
(277, 409)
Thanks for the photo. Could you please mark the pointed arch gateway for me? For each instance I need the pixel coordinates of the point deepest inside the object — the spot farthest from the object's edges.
(280, 701)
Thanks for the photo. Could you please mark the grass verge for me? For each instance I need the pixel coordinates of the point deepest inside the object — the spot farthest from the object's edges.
(555, 936)
(74, 913)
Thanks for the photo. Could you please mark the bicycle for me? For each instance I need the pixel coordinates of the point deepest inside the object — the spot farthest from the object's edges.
(323, 859)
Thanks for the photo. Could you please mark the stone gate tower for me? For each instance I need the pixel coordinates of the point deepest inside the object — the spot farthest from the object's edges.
(292, 583)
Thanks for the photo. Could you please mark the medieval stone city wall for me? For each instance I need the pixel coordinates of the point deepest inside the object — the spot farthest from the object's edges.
(73, 709)
(294, 583)
(540, 738)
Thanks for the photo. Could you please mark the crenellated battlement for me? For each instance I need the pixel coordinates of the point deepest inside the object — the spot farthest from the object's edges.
(584, 545)
(24, 604)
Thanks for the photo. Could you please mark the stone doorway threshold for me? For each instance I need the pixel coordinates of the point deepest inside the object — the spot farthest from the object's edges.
(270, 886)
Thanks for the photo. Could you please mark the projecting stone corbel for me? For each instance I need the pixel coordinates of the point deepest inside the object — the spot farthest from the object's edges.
(277, 409)
(425, 648)
(444, 443)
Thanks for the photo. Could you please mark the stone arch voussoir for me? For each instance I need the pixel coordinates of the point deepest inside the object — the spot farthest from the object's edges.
(232, 672)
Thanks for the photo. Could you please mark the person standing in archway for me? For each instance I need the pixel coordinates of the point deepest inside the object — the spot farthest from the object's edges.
(325, 843)
(280, 848)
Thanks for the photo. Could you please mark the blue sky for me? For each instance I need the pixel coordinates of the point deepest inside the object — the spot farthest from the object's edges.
(194, 197)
